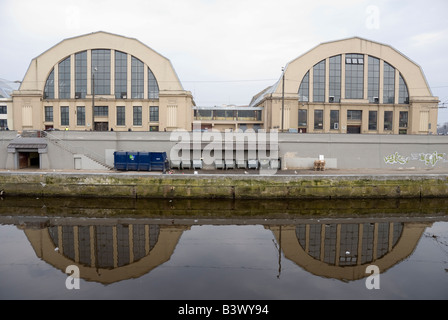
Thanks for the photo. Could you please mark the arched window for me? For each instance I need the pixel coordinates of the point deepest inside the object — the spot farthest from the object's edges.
(403, 96)
(137, 79)
(304, 88)
(153, 87)
(49, 86)
(389, 84)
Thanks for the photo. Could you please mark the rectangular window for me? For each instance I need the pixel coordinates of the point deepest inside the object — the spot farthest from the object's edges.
(65, 120)
(137, 116)
(80, 116)
(403, 120)
(80, 75)
(3, 109)
(354, 76)
(121, 75)
(319, 82)
(335, 79)
(354, 115)
(121, 116)
(48, 114)
(318, 119)
(64, 79)
(374, 80)
(101, 111)
(101, 71)
(154, 114)
(154, 128)
(303, 117)
(334, 119)
(373, 120)
(388, 117)
(3, 124)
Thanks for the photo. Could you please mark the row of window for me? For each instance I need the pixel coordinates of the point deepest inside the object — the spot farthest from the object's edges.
(102, 111)
(232, 115)
(353, 116)
(354, 81)
(101, 66)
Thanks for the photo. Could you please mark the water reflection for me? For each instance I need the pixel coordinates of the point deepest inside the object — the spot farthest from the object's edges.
(116, 240)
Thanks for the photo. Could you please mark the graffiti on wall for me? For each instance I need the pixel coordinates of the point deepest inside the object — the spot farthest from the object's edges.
(430, 159)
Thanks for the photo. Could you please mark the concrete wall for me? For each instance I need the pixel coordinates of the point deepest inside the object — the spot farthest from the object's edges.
(296, 151)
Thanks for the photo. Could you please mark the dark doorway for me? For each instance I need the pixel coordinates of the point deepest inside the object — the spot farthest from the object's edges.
(101, 126)
(29, 160)
(353, 129)
(301, 130)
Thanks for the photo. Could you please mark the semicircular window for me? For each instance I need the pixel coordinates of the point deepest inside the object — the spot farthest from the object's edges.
(345, 243)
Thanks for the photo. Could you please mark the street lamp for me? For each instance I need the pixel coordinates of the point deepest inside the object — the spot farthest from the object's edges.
(283, 95)
(93, 99)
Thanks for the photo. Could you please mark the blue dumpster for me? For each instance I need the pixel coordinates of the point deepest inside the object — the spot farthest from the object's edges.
(140, 161)
(144, 161)
(120, 160)
(132, 161)
(159, 161)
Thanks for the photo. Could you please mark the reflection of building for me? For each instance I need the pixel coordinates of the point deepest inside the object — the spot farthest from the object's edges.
(350, 86)
(128, 85)
(106, 253)
(114, 250)
(344, 250)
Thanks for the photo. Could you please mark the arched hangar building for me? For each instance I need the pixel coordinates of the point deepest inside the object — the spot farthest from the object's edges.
(350, 86)
(128, 85)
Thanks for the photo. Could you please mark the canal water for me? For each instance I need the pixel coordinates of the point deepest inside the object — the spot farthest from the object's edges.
(73, 248)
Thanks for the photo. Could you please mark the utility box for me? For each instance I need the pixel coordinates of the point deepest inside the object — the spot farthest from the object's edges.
(241, 164)
(197, 164)
(252, 164)
(219, 164)
(230, 164)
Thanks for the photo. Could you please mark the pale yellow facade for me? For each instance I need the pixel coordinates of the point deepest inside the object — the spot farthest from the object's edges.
(412, 109)
(50, 94)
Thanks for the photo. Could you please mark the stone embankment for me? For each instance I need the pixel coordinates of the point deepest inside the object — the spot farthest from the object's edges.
(282, 185)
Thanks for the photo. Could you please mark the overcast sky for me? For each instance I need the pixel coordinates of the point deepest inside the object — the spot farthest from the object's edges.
(226, 51)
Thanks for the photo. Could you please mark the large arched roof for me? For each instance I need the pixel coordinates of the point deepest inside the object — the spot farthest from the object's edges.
(411, 72)
(41, 66)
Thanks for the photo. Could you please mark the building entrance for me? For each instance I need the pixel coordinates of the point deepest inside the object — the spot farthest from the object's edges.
(353, 129)
(29, 160)
(101, 126)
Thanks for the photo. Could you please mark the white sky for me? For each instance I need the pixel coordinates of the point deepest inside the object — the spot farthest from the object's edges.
(226, 51)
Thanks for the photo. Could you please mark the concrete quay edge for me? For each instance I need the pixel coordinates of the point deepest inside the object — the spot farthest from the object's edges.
(282, 185)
